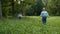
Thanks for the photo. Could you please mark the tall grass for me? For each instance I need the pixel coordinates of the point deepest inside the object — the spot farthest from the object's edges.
(30, 25)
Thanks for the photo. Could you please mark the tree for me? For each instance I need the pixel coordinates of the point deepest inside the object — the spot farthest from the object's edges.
(0, 9)
(36, 8)
(12, 8)
(12, 4)
(53, 7)
(25, 5)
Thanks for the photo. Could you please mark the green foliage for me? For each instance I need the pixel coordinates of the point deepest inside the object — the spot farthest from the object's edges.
(32, 7)
(11, 7)
(53, 7)
(36, 8)
(6, 7)
(27, 5)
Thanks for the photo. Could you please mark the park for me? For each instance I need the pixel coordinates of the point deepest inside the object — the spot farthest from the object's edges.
(31, 21)
(30, 25)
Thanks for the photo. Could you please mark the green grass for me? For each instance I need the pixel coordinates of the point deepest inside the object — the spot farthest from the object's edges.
(30, 25)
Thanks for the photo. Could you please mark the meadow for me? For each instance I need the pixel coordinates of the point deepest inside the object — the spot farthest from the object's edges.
(30, 25)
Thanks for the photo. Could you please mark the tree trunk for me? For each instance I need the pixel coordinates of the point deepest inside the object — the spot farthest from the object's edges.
(0, 10)
(12, 7)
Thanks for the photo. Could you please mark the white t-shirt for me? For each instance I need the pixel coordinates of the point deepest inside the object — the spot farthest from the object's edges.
(19, 15)
(44, 14)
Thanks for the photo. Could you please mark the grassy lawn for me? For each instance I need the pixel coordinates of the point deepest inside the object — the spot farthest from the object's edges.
(30, 25)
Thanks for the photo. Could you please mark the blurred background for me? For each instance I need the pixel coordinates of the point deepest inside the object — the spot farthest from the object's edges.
(28, 7)
(31, 22)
